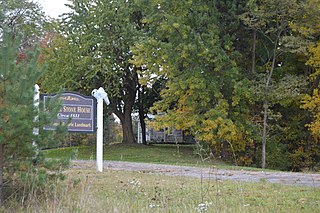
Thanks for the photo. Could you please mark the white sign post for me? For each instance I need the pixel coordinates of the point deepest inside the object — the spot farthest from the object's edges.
(101, 96)
(36, 100)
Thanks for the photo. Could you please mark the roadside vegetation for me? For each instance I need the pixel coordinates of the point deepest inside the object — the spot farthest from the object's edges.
(118, 191)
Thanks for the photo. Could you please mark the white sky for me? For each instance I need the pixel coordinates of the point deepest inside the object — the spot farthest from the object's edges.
(54, 8)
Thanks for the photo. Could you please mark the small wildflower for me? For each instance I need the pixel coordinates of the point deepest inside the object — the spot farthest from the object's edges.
(151, 205)
(135, 183)
(203, 207)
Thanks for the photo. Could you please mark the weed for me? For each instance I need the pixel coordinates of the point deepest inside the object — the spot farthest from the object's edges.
(118, 191)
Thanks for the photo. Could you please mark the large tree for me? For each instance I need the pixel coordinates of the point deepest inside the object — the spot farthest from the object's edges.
(23, 18)
(269, 21)
(94, 50)
(308, 26)
(184, 46)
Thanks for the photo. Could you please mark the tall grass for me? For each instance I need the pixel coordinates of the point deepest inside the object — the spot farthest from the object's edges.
(118, 191)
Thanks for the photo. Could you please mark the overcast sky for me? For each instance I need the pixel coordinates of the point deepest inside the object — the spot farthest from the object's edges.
(54, 8)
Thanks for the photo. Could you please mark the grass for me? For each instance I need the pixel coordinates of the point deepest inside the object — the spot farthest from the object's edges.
(119, 191)
(85, 190)
(166, 154)
(161, 154)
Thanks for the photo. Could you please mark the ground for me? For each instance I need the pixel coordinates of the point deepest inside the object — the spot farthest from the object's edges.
(291, 178)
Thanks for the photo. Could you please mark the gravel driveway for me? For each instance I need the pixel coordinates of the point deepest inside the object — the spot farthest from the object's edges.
(291, 178)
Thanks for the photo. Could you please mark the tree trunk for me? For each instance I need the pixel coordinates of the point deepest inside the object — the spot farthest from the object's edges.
(123, 109)
(265, 108)
(264, 133)
(127, 130)
(253, 58)
(1, 173)
(141, 114)
(142, 124)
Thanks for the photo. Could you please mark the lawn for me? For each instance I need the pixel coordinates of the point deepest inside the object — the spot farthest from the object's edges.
(160, 153)
(165, 154)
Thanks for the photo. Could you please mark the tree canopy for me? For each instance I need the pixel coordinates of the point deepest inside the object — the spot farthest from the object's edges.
(241, 76)
(92, 49)
(22, 18)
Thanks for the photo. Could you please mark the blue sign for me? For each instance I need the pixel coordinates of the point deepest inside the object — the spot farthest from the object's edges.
(77, 112)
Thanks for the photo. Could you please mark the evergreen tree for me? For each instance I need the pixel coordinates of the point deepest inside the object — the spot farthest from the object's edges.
(18, 150)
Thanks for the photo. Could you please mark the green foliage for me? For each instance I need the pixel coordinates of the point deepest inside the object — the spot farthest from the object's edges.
(16, 96)
(306, 153)
(209, 92)
(305, 157)
(312, 103)
(309, 152)
(306, 22)
(17, 119)
(278, 156)
(22, 18)
(293, 85)
(229, 71)
(277, 78)
(92, 48)
(183, 45)
(96, 43)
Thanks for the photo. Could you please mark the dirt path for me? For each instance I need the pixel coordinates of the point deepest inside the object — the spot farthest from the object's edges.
(291, 178)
